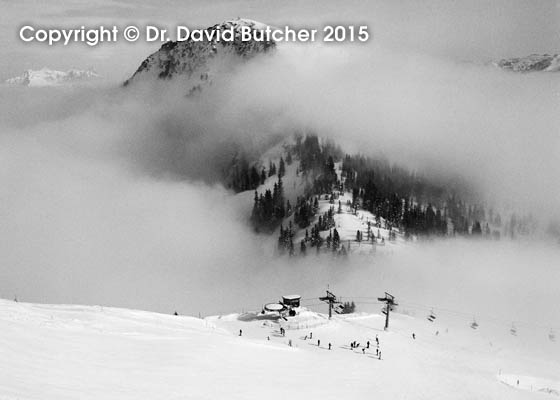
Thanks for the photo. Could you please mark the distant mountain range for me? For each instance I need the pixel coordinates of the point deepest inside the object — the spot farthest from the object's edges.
(49, 77)
(532, 63)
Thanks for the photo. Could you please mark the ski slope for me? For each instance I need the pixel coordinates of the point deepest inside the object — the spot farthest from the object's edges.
(70, 352)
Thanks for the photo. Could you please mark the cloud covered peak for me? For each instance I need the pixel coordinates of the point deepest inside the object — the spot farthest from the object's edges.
(204, 53)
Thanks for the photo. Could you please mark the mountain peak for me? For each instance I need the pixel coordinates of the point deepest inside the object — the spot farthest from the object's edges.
(49, 77)
(531, 63)
(193, 59)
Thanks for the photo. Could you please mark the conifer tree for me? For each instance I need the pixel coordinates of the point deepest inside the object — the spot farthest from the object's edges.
(254, 178)
(271, 169)
(303, 247)
(477, 229)
(281, 168)
(335, 240)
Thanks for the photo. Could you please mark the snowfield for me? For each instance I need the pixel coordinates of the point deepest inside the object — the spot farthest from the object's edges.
(48, 77)
(69, 352)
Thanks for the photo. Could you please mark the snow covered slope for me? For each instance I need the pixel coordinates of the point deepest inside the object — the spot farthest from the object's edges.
(68, 352)
(49, 77)
(534, 62)
(347, 221)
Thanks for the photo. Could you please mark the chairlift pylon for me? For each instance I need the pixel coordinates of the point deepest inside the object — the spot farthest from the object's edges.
(513, 329)
(474, 324)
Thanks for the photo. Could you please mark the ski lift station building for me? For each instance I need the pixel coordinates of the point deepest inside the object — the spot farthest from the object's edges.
(292, 300)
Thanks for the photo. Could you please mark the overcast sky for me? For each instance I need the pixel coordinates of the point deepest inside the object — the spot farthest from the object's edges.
(469, 31)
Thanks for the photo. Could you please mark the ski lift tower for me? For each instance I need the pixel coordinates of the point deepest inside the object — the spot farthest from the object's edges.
(390, 302)
(331, 299)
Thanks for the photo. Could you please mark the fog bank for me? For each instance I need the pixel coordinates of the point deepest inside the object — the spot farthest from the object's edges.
(111, 196)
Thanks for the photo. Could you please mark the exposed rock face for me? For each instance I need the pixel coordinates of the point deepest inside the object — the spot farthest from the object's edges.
(196, 61)
(534, 62)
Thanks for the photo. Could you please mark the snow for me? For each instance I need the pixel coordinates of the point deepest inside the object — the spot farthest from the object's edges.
(347, 223)
(274, 307)
(67, 352)
(554, 64)
(533, 62)
(198, 61)
(238, 22)
(531, 383)
(48, 77)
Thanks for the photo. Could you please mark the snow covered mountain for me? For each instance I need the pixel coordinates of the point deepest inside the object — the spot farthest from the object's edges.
(534, 62)
(49, 77)
(92, 352)
(377, 237)
(197, 61)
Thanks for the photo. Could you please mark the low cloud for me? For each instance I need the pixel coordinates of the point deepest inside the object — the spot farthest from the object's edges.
(493, 128)
(111, 195)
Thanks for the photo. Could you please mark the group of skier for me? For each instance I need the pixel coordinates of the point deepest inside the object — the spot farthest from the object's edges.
(353, 345)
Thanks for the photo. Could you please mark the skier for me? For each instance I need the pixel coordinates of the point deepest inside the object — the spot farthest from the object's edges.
(290, 343)
(363, 350)
(413, 335)
(377, 351)
(367, 345)
(175, 313)
(377, 339)
(310, 335)
(240, 332)
(318, 342)
(380, 355)
(329, 346)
